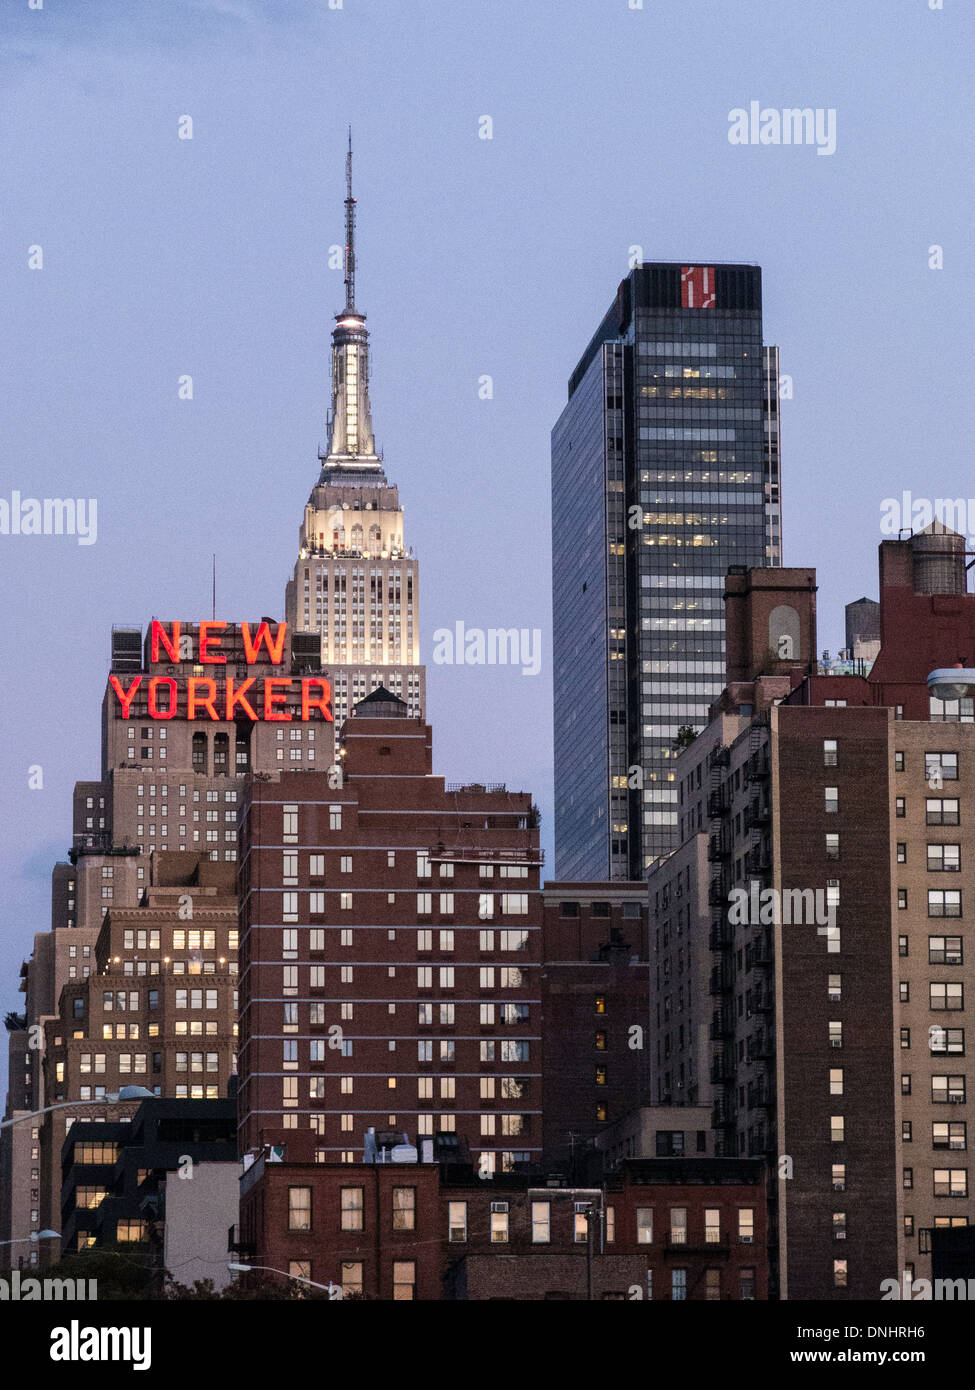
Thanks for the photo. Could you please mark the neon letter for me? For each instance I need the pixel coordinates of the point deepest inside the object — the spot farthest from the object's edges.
(252, 647)
(192, 699)
(239, 697)
(323, 703)
(206, 637)
(272, 696)
(170, 643)
(154, 711)
(125, 696)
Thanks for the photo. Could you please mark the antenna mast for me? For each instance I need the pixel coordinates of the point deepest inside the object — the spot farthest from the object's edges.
(349, 232)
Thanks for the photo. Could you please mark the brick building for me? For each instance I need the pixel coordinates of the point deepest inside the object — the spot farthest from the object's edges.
(836, 1037)
(673, 1230)
(390, 949)
(595, 1009)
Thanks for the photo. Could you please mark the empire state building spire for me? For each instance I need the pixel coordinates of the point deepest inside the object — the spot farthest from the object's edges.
(352, 445)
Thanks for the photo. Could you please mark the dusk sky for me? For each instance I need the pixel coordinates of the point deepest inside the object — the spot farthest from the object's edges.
(477, 257)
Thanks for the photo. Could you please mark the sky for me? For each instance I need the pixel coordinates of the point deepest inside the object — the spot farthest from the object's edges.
(209, 257)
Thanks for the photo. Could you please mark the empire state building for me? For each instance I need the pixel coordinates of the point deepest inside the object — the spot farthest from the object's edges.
(355, 583)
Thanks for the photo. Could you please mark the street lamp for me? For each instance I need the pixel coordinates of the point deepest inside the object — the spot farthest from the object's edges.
(234, 1267)
(34, 1235)
(109, 1098)
(952, 682)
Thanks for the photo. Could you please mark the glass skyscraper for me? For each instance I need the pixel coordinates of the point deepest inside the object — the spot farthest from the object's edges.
(665, 471)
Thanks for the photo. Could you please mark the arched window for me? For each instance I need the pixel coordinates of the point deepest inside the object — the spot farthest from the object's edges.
(199, 752)
(221, 753)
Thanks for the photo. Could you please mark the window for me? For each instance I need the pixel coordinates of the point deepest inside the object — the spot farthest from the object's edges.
(835, 988)
(299, 1208)
(351, 1277)
(944, 859)
(948, 1134)
(499, 1223)
(352, 1209)
(404, 1208)
(951, 1182)
(839, 1225)
(948, 1090)
(335, 817)
(836, 1128)
(898, 761)
(600, 1005)
(905, 1037)
(457, 1221)
(839, 1274)
(944, 902)
(902, 946)
(712, 1285)
(940, 767)
(944, 950)
(644, 1225)
(831, 797)
(836, 1033)
(836, 1081)
(950, 1040)
(905, 1084)
(541, 1223)
(832, 846)
(947, 996)
(907, 1179)
(678, 1285)
(902, 898)
(839, 1177)
(901, 852)
(829, 752)
(404, 1281)
(712, 1226)
(942, 811)
(905, 991)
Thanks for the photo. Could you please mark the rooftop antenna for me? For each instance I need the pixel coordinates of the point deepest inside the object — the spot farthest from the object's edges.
(349, 233)
(213, 611)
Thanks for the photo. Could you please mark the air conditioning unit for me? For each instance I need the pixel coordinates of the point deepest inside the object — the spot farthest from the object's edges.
(499, 1206)
(581, 1208)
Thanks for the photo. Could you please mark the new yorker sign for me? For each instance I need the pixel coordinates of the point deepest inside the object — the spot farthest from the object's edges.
(220, 697)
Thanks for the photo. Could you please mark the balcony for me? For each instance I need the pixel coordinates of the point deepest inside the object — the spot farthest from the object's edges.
(717, 891)
(720, 1249)
(759, 812)
(722, 980)
(718, 848)
(722, 1068)
(722, 1025)
(721, 937)
(719, 757)
(718, 802)
(758, 860)
(757, 768)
